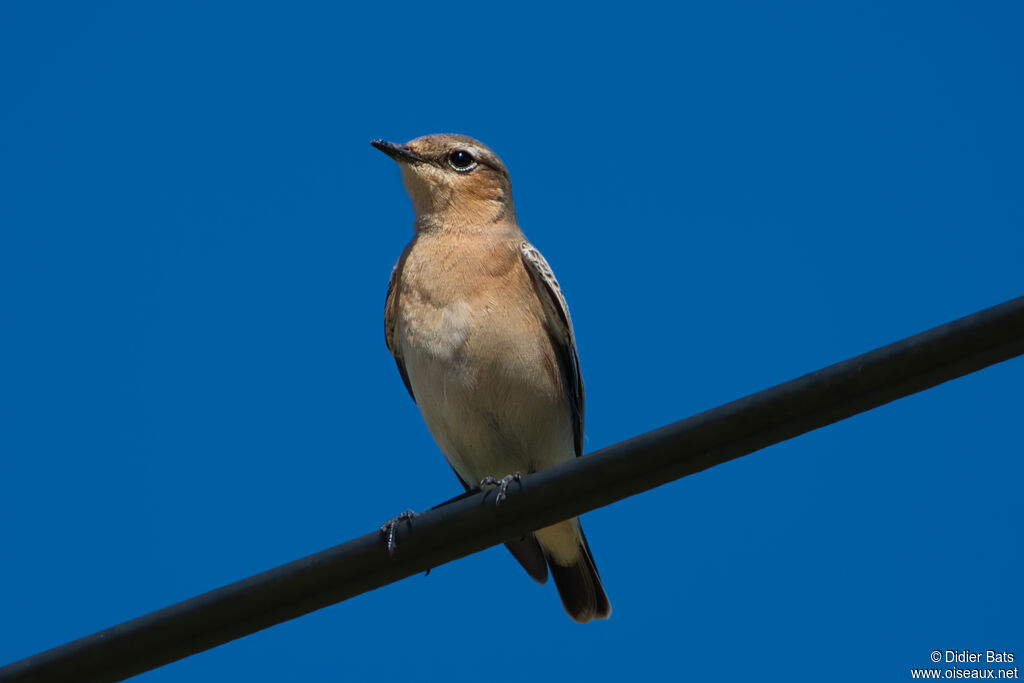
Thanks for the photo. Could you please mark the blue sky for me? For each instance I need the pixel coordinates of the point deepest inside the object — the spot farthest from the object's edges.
(195, 241)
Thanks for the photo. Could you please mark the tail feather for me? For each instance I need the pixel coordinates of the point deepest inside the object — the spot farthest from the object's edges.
(579, 586)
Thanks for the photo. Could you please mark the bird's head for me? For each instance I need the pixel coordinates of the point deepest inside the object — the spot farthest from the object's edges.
(453, 180)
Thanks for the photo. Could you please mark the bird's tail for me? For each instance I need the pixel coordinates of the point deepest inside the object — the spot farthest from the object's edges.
(574, 572)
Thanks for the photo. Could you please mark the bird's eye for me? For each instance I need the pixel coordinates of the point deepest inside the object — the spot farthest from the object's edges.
(461, 160)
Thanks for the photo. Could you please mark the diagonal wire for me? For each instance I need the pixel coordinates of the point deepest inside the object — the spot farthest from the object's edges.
(472, 523)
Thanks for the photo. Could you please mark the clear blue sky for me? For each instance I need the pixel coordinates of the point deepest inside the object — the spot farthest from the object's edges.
(195, 241)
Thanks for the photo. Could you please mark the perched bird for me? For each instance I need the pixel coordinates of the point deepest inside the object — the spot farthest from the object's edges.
(483, 340)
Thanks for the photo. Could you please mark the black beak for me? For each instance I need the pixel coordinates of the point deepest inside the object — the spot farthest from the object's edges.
(399, 153)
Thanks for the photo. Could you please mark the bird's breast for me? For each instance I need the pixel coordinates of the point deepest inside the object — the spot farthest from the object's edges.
(481, 367)
(436, 333)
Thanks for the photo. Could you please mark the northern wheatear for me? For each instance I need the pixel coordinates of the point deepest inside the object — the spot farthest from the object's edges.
(481, 333)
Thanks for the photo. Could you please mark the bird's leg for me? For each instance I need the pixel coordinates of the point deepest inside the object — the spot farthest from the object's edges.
(389, 528)
(502, 484)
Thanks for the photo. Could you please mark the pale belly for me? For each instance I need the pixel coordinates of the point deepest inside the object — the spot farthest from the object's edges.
(481, 386)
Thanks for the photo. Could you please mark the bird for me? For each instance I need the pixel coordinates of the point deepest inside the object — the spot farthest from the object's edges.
(480, 331)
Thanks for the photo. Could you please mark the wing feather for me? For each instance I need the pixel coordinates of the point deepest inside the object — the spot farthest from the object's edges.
(559, 326)
(391, 313)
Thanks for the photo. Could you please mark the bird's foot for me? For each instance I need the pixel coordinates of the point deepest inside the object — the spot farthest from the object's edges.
(389, 528)
(502, 485)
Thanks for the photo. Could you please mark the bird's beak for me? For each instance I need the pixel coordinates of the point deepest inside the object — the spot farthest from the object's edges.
(400, 153)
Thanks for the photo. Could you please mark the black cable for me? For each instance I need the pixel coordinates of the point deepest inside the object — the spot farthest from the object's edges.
(474, 522)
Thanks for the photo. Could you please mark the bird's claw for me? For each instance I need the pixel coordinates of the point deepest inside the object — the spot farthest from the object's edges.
(389, 528)
(502, 485)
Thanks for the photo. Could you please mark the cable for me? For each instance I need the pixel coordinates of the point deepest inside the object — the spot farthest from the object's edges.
(471, 523)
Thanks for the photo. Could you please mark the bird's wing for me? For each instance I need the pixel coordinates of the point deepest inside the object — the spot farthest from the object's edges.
(390, 313)
(559, 327)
